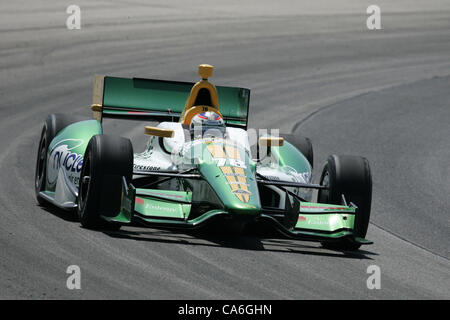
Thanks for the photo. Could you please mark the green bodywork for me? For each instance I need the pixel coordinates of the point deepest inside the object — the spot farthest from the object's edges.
(314, 218)
(289, 156)
(67, 150)
(324, 217)
(175, 208)
(210, 170)
(179, 207)
(158, 203)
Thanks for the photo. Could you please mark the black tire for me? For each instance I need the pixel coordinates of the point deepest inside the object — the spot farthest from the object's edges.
(107, 159)
(303, 144)
(349, 176)
(53, 124)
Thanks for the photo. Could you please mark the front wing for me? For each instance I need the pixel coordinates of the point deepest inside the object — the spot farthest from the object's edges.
(166, 208)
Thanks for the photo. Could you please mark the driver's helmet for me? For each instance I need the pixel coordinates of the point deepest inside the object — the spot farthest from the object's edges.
(207, 124)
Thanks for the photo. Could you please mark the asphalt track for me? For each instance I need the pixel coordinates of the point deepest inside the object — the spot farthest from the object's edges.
(313, 68)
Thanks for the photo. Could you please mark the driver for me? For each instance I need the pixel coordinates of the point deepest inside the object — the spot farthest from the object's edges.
(207, 124)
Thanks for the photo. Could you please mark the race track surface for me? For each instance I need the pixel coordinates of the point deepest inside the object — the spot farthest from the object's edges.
(313, 68)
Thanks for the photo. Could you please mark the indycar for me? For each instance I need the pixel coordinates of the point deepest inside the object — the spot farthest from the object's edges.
(188, 178)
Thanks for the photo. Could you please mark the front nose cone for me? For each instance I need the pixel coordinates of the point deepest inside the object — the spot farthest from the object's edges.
(243, 209)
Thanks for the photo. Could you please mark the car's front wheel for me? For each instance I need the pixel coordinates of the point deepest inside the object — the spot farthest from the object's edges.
(106, 161)
(349, 176)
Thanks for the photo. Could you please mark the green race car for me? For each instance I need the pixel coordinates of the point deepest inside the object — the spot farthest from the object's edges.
(197, 166)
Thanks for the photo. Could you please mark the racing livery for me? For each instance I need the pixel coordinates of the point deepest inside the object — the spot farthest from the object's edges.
(197, 166)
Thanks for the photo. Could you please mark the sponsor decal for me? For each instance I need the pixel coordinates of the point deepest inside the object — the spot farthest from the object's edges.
(74, 180)
(151, 206)
(61, 156)
(145, 168)
(319, 222)
(158, 207)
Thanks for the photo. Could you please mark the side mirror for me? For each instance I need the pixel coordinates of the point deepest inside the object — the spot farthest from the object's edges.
(159, 132)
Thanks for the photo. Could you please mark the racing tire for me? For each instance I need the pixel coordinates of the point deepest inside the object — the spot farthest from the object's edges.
(349, 176)
(303, 144)
(106, 161)
(52, 125)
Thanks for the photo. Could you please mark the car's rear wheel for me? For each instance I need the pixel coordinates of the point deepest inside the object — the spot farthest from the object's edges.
(349, 176)
(53, 124)
(303, 144)
(106, 161)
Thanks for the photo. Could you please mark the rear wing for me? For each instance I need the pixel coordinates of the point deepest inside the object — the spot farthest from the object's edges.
(161, 100)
